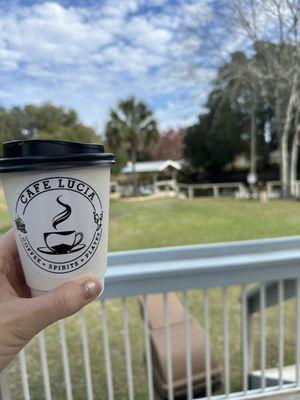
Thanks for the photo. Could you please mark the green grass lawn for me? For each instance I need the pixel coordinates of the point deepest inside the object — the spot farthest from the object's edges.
(174, 222)
(171, 222)
(157, 223)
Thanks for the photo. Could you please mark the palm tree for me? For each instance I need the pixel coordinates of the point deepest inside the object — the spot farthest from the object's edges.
(132, 127)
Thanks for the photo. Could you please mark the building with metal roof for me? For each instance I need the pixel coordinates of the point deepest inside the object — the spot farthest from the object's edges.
(151, 166)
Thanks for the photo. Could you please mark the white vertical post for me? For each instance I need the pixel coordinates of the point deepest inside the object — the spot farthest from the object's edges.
(65, 359)
(127, 349)
(280, 331)
(207, 344)
(24, 375)
(250, 341)
(241, 187)
(148, 349)
(245, 340)
(263, 335)
(44, 365)
(215, 191)
(107, 352)
(4, 387)
(298, 331)
(269, 190)
(226, 342)
(188, 346)
(168, 347)
(86, 356)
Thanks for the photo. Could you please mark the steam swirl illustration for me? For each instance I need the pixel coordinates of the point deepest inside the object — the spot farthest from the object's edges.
(62, 241)
(62, 216)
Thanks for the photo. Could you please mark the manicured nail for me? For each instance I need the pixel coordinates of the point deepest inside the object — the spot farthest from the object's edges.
(92, 288)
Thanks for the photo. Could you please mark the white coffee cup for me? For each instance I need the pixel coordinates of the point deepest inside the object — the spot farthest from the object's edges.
(58, 199)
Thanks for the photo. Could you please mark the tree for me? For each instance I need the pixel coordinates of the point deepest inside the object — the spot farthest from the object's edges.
(236, 101)
(280, 70)
(44, 122)
(240, 84)
(5, 133)
(271, 31)
(217, 138)
(77, 133)
(132, 127)
(169, 146)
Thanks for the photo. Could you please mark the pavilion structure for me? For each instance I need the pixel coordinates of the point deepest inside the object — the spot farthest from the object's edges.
(154, 175)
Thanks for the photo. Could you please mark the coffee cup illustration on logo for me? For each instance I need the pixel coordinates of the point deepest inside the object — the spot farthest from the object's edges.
(62, 242)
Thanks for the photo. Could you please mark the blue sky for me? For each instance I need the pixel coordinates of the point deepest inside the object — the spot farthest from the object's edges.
(88, 54)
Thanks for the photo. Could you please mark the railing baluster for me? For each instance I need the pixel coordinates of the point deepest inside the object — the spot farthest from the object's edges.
(127, 349)
(148, 349)
(263, 335)
(280, 331)
(226, 342)
(188, 346)
(4, 386)
(207, 344)
(245, 340)
(44, 364)
(24, 375)
(298, 332)
(168, 347)
(65, 359)
(109, 381)
(86, 356)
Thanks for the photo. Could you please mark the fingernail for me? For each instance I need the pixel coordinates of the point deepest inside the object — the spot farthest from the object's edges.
(91, 289)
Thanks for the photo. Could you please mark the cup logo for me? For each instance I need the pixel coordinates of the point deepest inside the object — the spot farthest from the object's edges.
(62, 242)
(59, 222)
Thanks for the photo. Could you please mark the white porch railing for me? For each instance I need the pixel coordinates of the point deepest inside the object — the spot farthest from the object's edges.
(236, 189)
(267, 273)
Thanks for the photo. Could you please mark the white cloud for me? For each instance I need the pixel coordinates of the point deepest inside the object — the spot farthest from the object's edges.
(143, 33)
(89, 57)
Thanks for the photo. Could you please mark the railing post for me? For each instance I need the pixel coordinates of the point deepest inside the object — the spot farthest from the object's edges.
(4, 390)
(241, 190)
(249, 338)
(226, 341)
(250, 341)
(216, 191)
(245, 340)
(269, 190)
(262, 329)
(297, 371)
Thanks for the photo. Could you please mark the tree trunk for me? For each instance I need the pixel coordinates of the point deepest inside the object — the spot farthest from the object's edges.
(284, 156)
(294, 157)
(253, 155)
(294, 164)
(278, 125)
(134, 174)
(284, 153)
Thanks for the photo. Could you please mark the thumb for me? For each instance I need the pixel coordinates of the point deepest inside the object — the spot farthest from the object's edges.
(61, 302)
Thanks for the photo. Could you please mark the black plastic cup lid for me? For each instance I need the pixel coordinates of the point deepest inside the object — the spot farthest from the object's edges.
(27, 155)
